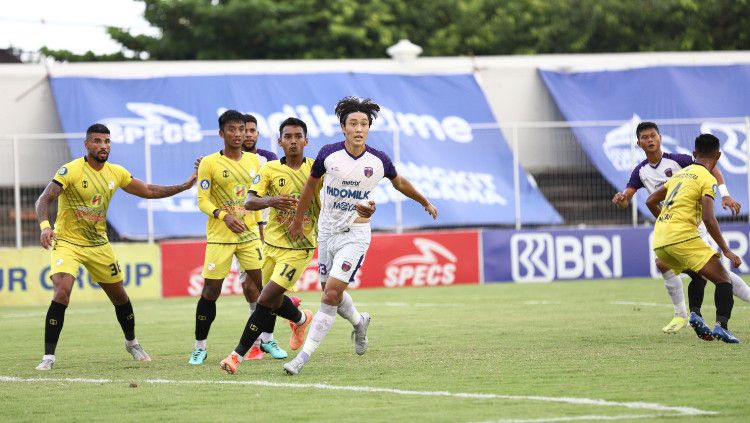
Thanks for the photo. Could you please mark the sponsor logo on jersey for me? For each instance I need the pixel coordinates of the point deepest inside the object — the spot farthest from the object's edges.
(256, 179)
(205, 184)
(85, 183)
(225, 173)
(96, 200)
(239, 191)
(63, 170)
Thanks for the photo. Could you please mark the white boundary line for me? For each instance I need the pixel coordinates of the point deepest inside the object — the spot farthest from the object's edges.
(666, 411)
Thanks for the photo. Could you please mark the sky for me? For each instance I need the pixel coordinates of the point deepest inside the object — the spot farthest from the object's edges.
(75, 25)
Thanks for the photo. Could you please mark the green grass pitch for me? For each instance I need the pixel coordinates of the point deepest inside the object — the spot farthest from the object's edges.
(567, 351)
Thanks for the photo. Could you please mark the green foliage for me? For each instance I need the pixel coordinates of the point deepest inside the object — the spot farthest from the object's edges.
(307, 29)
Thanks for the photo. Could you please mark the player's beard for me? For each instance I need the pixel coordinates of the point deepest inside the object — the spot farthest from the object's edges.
(100, 160)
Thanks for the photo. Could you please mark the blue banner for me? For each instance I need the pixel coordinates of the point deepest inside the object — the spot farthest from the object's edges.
(572, 254)
(672, 92)
(465, 172)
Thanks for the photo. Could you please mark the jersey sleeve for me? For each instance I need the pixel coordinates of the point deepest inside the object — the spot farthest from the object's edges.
(709, 187)
(124, 178)
(204, 188)
(635, 181)
(683, 160)
(62, 177)
(319, 165)
(388, 168)
(261, 182)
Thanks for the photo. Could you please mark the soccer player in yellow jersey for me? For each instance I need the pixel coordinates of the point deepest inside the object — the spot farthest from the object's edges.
(84, 188)
(686, 199)
(278, 187)
(224, 179)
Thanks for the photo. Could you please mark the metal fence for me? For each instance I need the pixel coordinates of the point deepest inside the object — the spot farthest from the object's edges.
(548, 151)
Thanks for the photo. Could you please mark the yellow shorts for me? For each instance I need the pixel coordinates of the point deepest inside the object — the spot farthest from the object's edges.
(100, 261)
(284, 266)
(692, 254)
(218, 260)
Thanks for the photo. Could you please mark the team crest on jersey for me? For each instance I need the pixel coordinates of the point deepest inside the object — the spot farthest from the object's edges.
(256, 179)
(96, 200)
(205, 184)
(225, 173)
(368, 171)
(111, 185)
(63, 170)
(85, 183)
(668, 172)
(239, 191)
(345, 266)
(282, 182)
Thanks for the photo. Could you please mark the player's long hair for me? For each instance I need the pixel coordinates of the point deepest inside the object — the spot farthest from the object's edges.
(351, 104)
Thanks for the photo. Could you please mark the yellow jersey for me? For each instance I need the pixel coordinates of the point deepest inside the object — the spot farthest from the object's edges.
(682, 208)
(82, 206)
(276, 178)
(223, 184)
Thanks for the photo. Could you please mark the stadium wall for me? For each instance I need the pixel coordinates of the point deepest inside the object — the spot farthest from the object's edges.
(511, 84)
(423, 259)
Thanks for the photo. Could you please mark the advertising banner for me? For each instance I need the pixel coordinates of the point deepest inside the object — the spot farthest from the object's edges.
(572, 254)
(664, 92)
(459, 168)
(24, 275)
(417, 259)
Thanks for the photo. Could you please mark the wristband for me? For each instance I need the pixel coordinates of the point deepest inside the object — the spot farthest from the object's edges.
(44, 225)
(221, 215)
(723, 191)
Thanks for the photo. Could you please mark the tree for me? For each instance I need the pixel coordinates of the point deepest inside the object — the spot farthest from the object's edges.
(307, 29)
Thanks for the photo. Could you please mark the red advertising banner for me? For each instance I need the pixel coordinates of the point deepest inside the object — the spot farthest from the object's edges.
(393, 260)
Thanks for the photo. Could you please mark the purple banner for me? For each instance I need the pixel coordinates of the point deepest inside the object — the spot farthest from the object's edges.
(572, 254)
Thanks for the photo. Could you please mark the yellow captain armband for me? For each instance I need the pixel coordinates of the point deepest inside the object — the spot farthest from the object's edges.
(44, 225)
(221, 215)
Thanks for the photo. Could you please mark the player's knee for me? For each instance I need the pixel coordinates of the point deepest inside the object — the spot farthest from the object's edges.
(661, 266)
(211, 291)
(332, 296)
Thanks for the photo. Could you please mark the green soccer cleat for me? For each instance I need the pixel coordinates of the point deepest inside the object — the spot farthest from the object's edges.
(198, 356)
(273, 348)
(675, 325)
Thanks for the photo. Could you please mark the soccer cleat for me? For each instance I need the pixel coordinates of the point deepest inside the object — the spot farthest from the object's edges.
(700, 327)
(724, 334)
(359, 336)
(255, 353)
(675, 325)
(273, 348)
(230, 363)
(298, 332)
(293, 367)
(137, 352)
(198, 356)
(46, 364)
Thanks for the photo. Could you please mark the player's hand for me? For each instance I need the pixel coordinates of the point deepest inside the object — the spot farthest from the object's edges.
(46, 238)
(295, 230)
(235, 225)
(191, 180)
(620, 200)
(734, 258)
(197, 163)
(365, 209)
(284, 202)
(431, 210)
(729, 202)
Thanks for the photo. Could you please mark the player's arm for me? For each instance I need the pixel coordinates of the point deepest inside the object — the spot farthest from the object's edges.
(726, 200)
(709, 219)
(50, 194)
(206, 206)
(280, 202)
(295, 226)
(654, 200)
(144, 190)
(622, 199)
(405, 187)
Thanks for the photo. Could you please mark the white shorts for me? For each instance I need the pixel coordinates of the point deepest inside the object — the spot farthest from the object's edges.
(703, 233)
(341, 254)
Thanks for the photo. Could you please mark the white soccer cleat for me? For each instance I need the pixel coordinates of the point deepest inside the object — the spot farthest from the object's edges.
(359, 335)
(137, 352)
(47, 363)
(293, 367)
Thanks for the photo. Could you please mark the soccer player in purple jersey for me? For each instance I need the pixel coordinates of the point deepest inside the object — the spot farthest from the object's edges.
(651, 174)
(352, 169)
